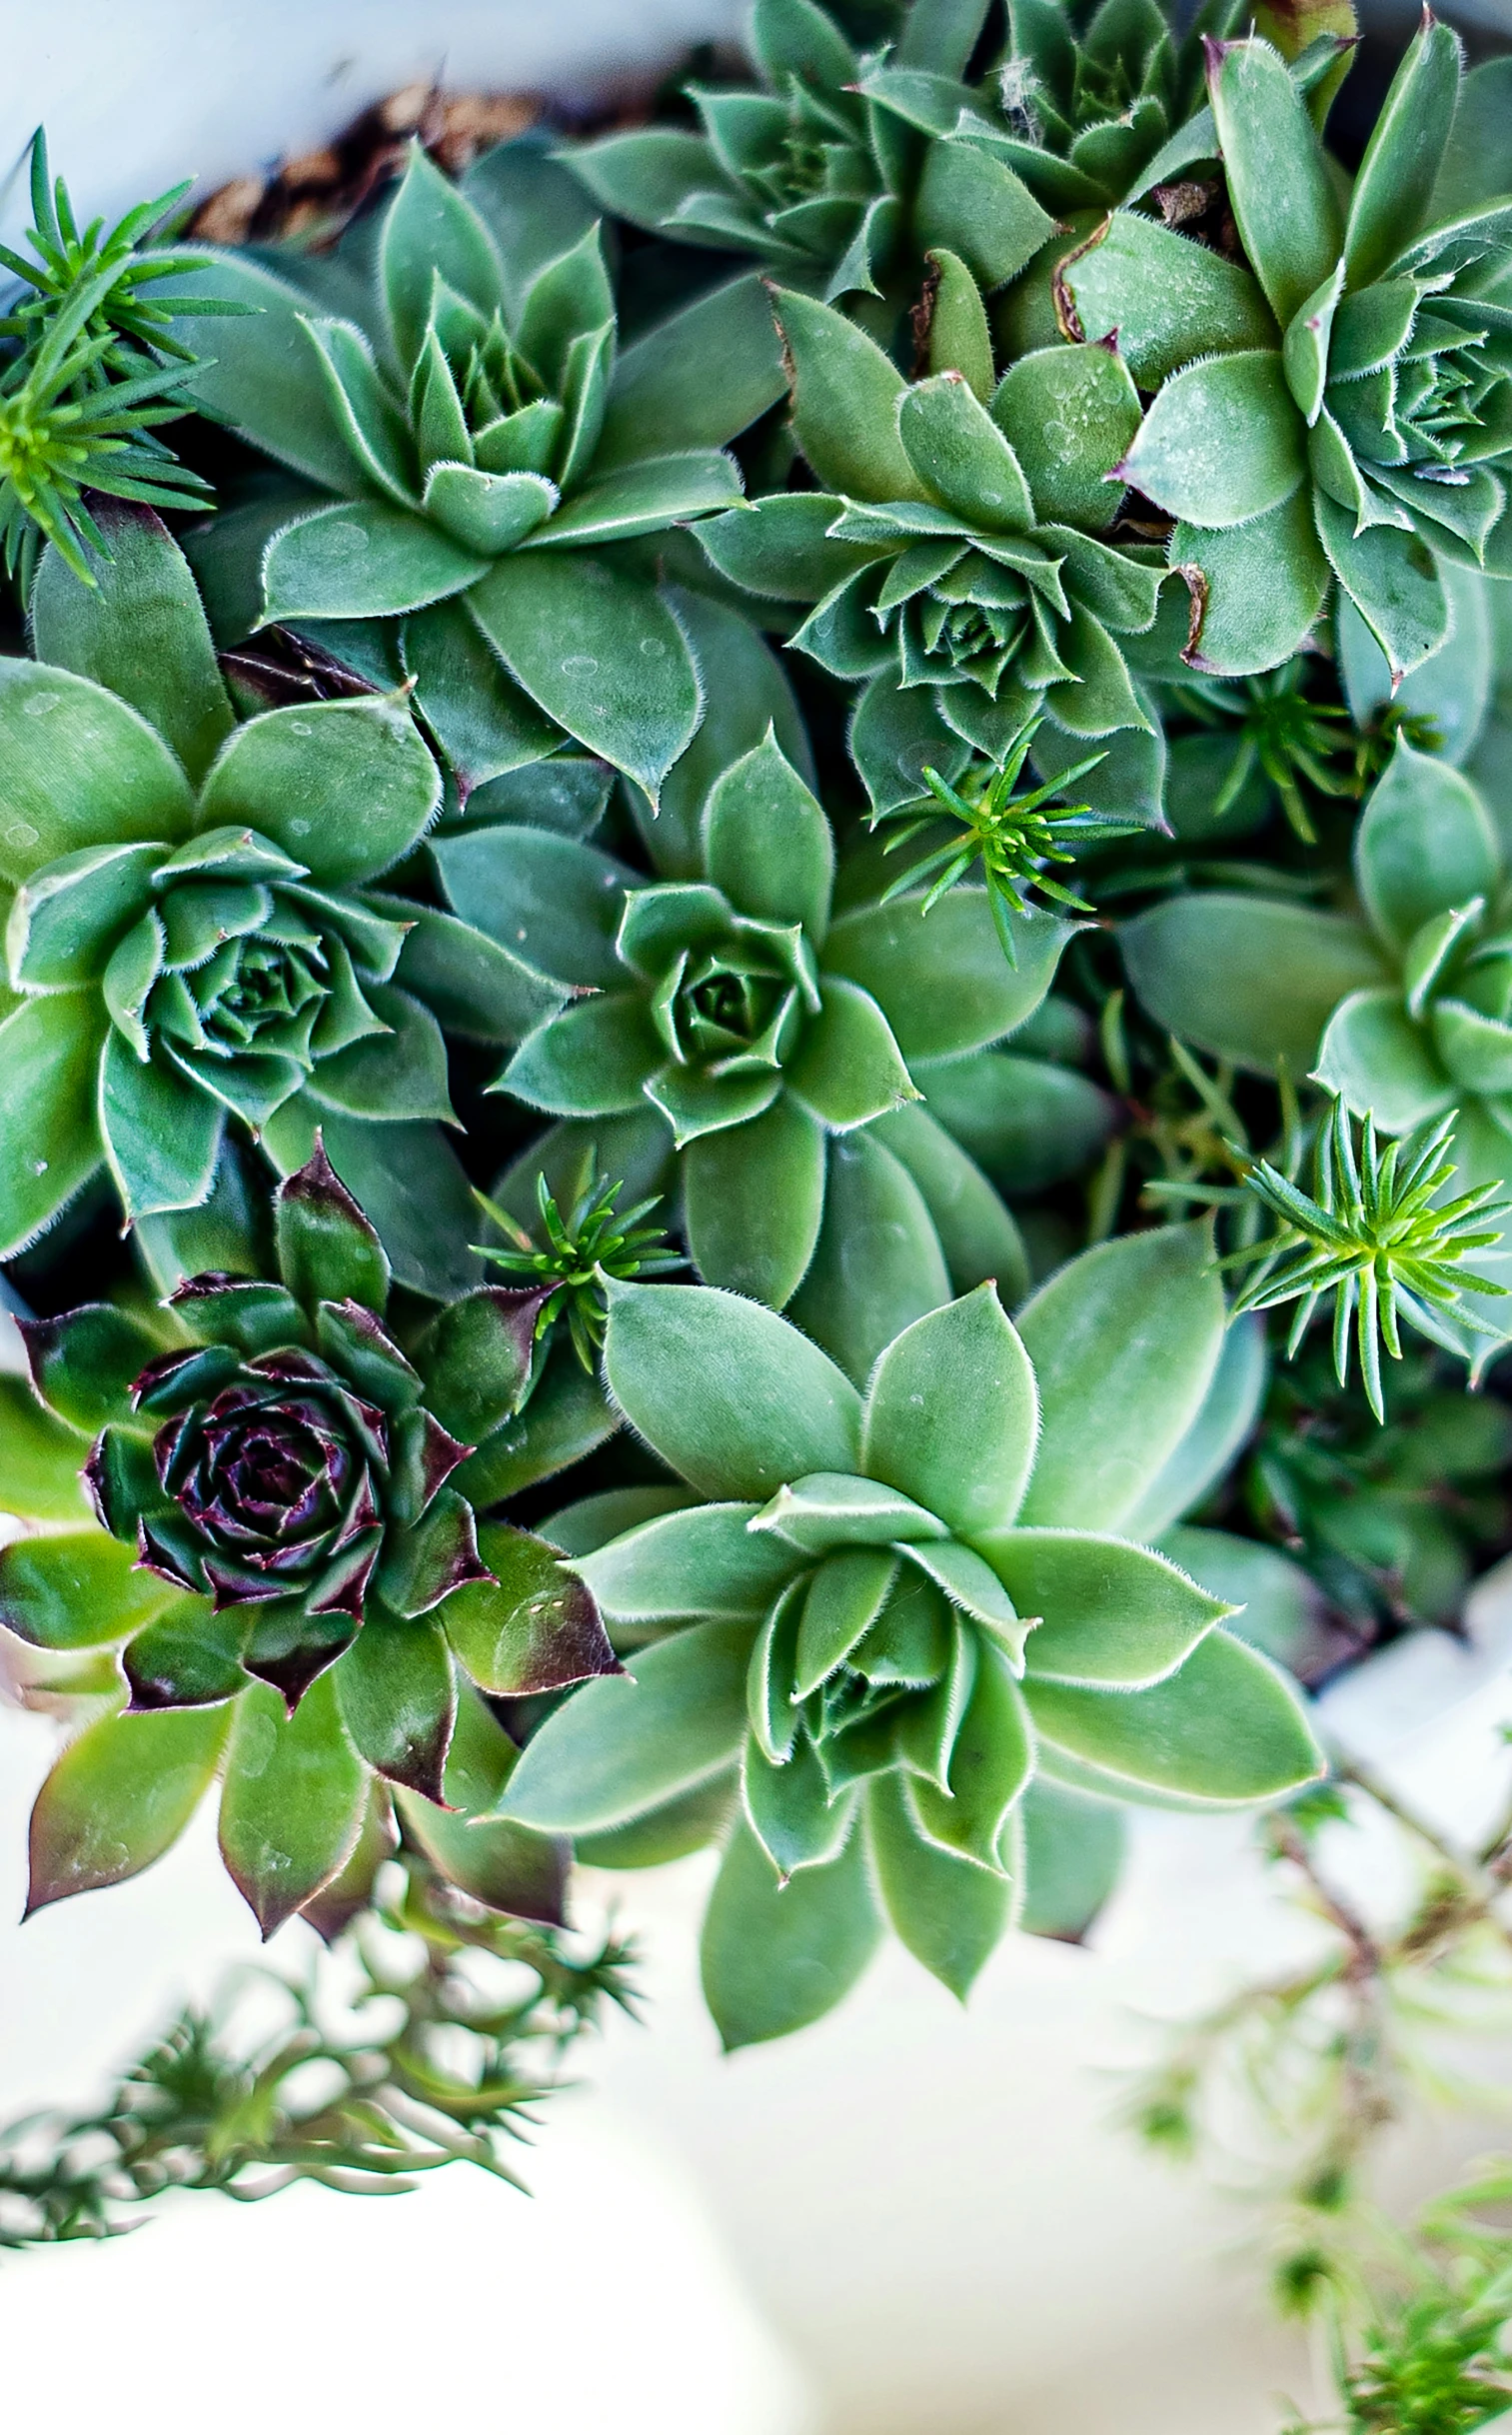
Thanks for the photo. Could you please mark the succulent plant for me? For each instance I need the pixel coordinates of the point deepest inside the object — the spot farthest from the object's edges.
(1341, 408)
(954, 546)
(739, 1033)
(194, 933)
(92, 367)
(896, 1609)
(487, 443)
(844, 170)
(288, 1583)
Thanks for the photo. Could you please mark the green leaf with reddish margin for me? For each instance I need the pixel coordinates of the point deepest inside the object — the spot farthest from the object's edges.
(76, 1589)
(344, 786)
(1244, 976)
(397, 1699)
(774, 1957)
(352, 1888)
(363, 559)
(1224, 1732)
(507, 1867)
(476, 1357)
(1222, 442)
(601, 654)
(1124, 1340)
(1279, 187)
(119, 1797)
(85, 1363)
(293, 1801)
(628, 1744)
(327, 1250)
(726, 1392)
(845, 403)
(952, 1414)
(77, 767)
(39, 1459)
(140, 631)
(947, 1911)
(1109, 1613)
(533, 1628)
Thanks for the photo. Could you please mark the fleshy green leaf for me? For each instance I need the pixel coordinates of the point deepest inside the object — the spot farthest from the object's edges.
(1109, 1613)
(86, 1361)
(1279, 187)
(1071, 413)
(1073, 1851)
(40, 1460)
(843, 1600)
(845, 403)
(263, 375)
(78, 768)
(753, 1196)
(952, 1414)
(948, 1912)
(431, 229)
(628, 1744)
(363, 559)
(788, 1806)
(121, 1793)
(293, 1801)
(848, 1067)
(188, 1656)
(696, 379)
(1376, 1058)
(767, 844)
(774, 1957)
(1222, 442)
(76, 1589)
(1246, 976)
(702, 1561)
(1259, 587)
(941, 978)
(344, 786)
(533, 1628)
(397, 1699)
(327, 1250)
(1396, 178)
(1424, 845)
(959, 454)
(877, 1263)
(1160, 298)
(506, 1867)
(1124, 1340)
(1224, 1731)
(726, 1392)
(991, 1763)
(1393, 581)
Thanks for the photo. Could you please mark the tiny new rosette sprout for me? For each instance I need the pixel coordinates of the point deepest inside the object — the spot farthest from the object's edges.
(487, 441)
(1342, 407)
(886, 1614)
(1376, 1235)
(847, 169)
(729, 1034)
(292, 1574)
(593, 1240)
(955, 548)
(195, 937)
(92, 365)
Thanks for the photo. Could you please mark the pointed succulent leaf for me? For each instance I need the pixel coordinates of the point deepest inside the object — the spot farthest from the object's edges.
(327, 1250)
(161, 1134)
(397, 1699)
(960, 339)
(1224, 1731)
(952, 1414)
(846, 399)
(1279, 186)
(1071, 413)
(430, 227)
(49, 1064)
(959, 454)
(940, 977)
(121, 1793)
(972, 1586)
(843, 1598)
(696, 379)
(788, 1807)
(829, 1509)
(363, 559)
(1223, 1427)
(487, 725)
(600, 652)
(776, 1956)
(593, 1060)
(65, 920)
(974, 206)
(188, 1656)
(783, 548)
(1124, 1340)
(552, 901)
(626, 1743)
(647, 497)
(977, 1234)
(139, 631)
(346, 786)
(1373, 1056)
(1392, 580)
(1073, 1851)
(85, 1361)
(1109, 1612)
(877, 1263)
(79, 765)
(767, 844)
(505, 1866)
(293, 1803)
(350, 1891)
(753, 1196)
(726, 1392)
(531, 1627)
(1396, 178)
(487, 512)
(990, 1764)
(476, 1357)
(948, 1912)
(1247, 978)
(1159, 297)
(1306, 349)
(1221, 442)
(76, 1589)
(1424, 845)
(848, 1067)
(39, 1459)
(264, 379)
(1257, 589)
(704, 1561)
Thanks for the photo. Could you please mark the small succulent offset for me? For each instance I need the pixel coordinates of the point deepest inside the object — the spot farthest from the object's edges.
(1342, 407)
(845, 170)
(580, 1247)
(487, 441)
(1377, 1235)
(883, 1613)
(88, 366)
(193, 935)
(955, 545)
(730, 1030)
(290, 1572)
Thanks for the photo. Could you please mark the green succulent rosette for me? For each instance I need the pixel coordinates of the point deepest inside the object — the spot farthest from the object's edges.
(900, 1631)
(844, 169)
(1341, 408)
(194, 936)
(491, 449)
(735, 1039)
(955, 547)
(288, 1585)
